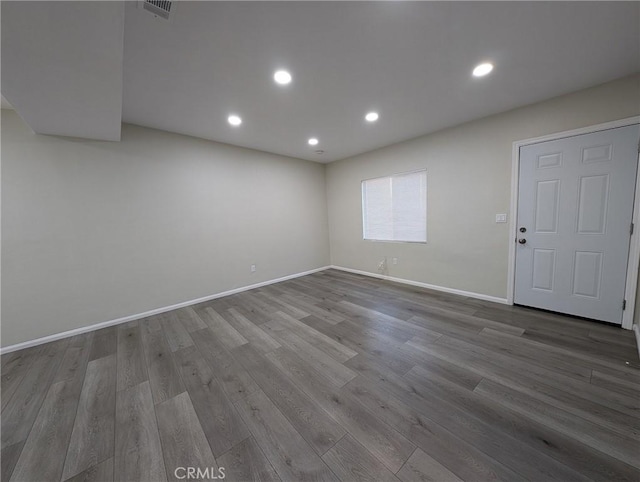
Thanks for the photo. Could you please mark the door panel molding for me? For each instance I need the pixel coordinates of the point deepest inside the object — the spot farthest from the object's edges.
(587, 274)
(544, 269)
(634, 249)
(590, 188)
(547, 201)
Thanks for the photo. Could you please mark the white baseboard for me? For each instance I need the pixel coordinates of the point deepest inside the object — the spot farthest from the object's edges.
(636, 330)
(469, 294)
(104, 324)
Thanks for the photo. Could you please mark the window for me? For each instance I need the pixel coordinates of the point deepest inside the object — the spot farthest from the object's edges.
(394, 208)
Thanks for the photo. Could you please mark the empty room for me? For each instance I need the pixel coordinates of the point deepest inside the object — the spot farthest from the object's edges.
(320, 241)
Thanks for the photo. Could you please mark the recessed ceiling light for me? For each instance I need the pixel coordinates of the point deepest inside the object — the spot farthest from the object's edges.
(372, 116)
(482, 70)
(313, 141)
(282, 77)
(234, 120)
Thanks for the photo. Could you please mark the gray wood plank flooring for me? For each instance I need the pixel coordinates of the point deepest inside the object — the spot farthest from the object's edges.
(288, 452)
(54, 423)
(92, 439)
(351, 461)
(245, 461)
(333, 376)
(220, 422)
(183, 441)
(130, 356)
(422, 468)
(95, 473)
(138, 454)
(14, 367)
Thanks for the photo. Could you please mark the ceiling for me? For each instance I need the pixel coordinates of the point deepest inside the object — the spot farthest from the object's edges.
(62, 66)
(409, 61)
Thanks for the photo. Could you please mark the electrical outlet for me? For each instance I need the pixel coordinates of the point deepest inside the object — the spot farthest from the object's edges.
(253, 268)
(501, 218)
(394, 260)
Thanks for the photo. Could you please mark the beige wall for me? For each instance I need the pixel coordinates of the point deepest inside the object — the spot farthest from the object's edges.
(93, 231)
(469, 179)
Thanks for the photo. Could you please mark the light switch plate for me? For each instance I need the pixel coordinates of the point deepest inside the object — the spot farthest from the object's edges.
(501, 218)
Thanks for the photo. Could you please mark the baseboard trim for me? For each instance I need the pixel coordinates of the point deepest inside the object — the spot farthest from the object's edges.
(636, 330)
(468, 294)
(104, 324)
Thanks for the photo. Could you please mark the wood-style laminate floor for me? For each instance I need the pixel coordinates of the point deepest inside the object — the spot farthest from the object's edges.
(332, 376)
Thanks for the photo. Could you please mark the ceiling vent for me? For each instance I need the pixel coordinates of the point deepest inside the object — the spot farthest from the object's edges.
(160, 8)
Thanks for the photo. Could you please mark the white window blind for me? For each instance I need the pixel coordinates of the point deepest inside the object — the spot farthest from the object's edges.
(394, 208)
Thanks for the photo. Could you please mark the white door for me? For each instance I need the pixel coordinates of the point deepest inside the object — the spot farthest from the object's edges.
(575, 207)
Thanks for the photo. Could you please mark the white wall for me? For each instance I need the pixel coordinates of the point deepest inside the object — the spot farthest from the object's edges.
(469, 178)
(93, 231)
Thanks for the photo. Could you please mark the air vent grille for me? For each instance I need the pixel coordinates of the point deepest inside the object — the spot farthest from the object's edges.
(161, 8)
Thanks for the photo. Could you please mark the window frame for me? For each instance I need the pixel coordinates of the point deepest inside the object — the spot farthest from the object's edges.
(391, 176)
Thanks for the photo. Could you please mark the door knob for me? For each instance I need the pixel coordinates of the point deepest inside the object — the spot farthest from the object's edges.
(523, 229)
(522, 241)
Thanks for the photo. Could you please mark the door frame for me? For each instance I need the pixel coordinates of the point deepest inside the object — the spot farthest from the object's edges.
(634, 246)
